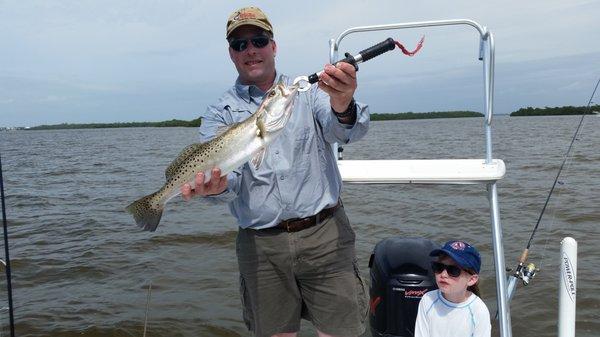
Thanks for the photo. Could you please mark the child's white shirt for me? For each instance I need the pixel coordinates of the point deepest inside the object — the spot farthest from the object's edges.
(438, 317)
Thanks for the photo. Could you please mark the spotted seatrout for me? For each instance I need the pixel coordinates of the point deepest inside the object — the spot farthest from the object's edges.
(242, 142)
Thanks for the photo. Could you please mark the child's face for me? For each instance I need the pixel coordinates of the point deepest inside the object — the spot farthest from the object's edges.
(453, 287)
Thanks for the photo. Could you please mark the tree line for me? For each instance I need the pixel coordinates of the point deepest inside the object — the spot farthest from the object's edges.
(196, 122)
(423, 115)
(529, 111)
(555, 111)
(170, 123)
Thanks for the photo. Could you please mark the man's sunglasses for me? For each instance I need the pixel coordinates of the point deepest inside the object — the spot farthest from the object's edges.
(453, 271)
(259, 41)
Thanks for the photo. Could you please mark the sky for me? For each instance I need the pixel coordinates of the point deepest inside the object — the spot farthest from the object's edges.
(122, 61)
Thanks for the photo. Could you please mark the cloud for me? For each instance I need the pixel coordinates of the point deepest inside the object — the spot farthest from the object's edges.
(74, 61)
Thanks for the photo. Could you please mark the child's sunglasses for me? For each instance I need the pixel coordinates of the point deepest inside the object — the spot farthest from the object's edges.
(259, 41)
(453, 271)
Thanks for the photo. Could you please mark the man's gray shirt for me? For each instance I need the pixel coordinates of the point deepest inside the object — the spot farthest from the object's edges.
(299, 175)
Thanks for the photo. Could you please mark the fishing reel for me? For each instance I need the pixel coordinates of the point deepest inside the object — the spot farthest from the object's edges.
(525, 273)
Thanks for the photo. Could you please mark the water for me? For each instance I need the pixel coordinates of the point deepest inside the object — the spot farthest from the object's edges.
(81, 267)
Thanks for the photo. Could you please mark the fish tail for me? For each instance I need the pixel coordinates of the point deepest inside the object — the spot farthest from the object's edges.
(146, 212)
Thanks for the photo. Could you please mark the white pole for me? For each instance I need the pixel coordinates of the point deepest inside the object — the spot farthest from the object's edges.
(567, 287)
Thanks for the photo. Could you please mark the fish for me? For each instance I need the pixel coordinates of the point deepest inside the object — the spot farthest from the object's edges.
(240, 143)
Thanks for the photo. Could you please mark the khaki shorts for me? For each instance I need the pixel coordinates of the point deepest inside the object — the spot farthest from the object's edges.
(310, 274)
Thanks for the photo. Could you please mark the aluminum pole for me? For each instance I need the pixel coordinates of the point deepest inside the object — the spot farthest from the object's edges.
(501, 293)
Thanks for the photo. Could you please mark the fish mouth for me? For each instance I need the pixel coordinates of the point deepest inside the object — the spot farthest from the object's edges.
(291, 91)
(291, 96)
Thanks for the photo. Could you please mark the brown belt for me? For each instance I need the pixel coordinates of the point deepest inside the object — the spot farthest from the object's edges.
(298, 224)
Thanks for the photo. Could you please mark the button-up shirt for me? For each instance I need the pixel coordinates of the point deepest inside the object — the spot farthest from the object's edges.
(298, 176)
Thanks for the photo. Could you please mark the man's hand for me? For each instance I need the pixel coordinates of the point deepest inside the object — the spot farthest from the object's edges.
(339, 82)
(215, 185)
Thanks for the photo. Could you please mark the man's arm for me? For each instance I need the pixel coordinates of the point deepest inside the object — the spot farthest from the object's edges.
(339, 82)
(342, 119)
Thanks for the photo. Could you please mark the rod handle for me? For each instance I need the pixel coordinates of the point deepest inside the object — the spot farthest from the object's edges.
(524, 256)
(378, 49)
(364, 55)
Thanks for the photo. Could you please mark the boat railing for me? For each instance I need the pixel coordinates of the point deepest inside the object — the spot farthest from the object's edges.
(444, 171)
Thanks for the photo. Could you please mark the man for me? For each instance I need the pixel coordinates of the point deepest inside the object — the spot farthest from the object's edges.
(295, 246)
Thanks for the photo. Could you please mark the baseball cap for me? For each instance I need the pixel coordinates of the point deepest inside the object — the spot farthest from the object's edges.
(465, 255)
(248, 16)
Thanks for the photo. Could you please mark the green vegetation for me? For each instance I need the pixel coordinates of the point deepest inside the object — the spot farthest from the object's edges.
(171, 123)
(424, 115)
(529, 111)
(196, 122)
(548, 111)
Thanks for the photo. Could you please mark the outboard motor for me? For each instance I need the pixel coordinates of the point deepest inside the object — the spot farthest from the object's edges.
(400, 275)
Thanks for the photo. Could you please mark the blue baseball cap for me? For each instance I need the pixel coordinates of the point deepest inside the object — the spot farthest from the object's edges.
(465, 255)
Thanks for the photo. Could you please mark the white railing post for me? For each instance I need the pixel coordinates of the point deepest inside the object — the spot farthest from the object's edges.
(567, 287)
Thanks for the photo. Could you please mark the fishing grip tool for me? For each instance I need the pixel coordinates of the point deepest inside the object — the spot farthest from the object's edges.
(304, 82)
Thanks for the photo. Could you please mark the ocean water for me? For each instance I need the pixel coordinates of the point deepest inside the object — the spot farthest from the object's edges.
(81, 267)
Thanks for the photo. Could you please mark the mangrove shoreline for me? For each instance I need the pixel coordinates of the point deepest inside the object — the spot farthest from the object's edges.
(529, 111)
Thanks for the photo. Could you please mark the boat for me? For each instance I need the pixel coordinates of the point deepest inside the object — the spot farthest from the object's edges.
(485, 170)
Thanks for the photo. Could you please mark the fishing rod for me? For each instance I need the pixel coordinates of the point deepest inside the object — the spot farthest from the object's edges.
(6, 255)
(527, 272)
(147, 309)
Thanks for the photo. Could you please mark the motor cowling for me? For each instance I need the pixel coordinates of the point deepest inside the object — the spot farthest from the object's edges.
(400, 275)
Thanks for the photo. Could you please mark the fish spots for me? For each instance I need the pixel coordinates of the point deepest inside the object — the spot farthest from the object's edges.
(231, 147)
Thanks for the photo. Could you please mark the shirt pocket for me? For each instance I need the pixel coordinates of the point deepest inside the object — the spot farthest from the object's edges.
(237, 114)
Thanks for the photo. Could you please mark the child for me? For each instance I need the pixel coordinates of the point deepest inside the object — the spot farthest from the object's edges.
(454, 309)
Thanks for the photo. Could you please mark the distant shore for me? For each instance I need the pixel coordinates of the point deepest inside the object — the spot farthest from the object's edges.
(529, 111)
(423, 115)
(196, 122)
(170, 123)
(557, 111)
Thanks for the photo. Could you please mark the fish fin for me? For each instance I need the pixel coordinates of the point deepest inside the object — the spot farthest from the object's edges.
(146, 213)
(262, 130)
(223, 128)
(183, 155)
(258, 158)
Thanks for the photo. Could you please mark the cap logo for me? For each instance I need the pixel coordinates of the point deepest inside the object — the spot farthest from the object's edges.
(458, 245)
(244, 16)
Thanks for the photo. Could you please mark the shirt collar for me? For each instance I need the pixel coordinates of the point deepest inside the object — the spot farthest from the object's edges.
(464, 303)
(251, 92)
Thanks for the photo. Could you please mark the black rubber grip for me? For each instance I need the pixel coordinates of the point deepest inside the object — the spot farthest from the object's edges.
(366, 54)
(378, 49)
